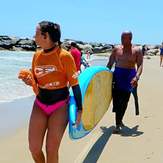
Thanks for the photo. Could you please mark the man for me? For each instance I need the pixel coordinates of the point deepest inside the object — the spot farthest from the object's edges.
(128, 62)
(76, 55)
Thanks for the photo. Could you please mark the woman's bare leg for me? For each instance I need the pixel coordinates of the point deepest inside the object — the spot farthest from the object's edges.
(56, 126)
(37, 129)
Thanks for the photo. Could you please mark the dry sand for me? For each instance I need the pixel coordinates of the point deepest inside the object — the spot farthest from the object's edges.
(141, 141)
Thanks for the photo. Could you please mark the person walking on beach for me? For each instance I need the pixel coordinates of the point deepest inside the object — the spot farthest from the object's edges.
(128, 62)
(161, 55)
(144, 50)
(53, 70)
(88, 55)
(75, 52)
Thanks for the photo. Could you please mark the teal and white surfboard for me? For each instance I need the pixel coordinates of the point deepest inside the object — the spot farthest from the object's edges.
(96, 88)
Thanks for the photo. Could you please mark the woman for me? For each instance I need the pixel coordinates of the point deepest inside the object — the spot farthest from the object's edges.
(53, 71)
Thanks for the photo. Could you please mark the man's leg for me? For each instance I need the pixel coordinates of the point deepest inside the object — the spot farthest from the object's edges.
(126, 97)
(120, 102)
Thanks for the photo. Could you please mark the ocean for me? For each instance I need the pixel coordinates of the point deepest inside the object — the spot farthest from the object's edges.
(11, 87)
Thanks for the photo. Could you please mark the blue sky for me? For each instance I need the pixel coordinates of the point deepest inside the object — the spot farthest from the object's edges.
(86, 20)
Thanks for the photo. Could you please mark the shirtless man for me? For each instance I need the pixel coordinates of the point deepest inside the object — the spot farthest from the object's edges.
(128, 62)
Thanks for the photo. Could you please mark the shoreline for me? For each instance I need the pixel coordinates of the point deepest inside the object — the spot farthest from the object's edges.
(14, 114)
(22, 51)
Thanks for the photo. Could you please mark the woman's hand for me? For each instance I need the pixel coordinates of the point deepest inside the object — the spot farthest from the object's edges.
(26, 76)
(78, 119)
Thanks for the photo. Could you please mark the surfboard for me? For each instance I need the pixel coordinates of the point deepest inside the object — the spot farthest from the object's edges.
(96, 88)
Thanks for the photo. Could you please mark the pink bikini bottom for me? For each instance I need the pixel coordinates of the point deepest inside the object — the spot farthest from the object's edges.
(49, 109)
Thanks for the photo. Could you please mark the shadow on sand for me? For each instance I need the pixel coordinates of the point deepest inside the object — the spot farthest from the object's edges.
(126, 131)
(96, 150)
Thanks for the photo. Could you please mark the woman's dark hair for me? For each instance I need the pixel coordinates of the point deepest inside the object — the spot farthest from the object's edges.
(53, 30)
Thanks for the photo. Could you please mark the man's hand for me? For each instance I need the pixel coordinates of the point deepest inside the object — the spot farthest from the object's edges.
(134, 82)
(78, 118)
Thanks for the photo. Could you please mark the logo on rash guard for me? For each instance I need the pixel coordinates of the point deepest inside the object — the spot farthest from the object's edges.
(44, 70)
(50, 85)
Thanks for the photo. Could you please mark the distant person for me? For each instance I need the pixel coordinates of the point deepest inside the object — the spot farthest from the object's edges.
(144, 50)
(84, 62)
(88, 55)
(128, 62)
(75, 52)
(53, 69)
(161, 55)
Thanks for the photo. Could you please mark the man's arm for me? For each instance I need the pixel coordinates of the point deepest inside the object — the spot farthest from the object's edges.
(111, 59)
(139, 63)
(134, 82)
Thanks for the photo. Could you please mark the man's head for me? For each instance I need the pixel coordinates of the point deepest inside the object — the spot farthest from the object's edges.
(126, 38)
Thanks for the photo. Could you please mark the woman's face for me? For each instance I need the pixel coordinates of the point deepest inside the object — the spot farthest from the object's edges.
(39, 37)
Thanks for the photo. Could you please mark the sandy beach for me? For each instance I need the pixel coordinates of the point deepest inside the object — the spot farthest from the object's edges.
(140, 141)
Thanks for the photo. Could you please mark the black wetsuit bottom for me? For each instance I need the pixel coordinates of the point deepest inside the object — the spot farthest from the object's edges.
(50, 97)
(120, 102)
